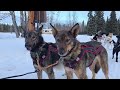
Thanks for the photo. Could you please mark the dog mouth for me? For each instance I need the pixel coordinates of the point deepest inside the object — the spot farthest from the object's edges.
(29, 48)
(64, 54)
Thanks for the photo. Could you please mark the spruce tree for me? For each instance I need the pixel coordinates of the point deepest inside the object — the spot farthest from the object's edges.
(113, 23)
(118, 26)
(82, 26)
(100, 22)
(91, 24)
(107, 26)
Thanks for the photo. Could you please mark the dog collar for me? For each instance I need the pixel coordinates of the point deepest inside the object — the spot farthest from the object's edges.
(70, 50)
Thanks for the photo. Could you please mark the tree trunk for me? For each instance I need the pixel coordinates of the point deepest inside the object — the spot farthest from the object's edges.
(31, 24)
(26, 20)
(74, 17)
(2, 27)
(22, 23)
(12, 13)
(69, 19)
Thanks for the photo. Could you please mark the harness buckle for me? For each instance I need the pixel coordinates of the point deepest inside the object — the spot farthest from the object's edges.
(77, 59)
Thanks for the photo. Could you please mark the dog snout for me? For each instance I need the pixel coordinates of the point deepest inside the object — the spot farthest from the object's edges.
(27, 46)
(62, 51)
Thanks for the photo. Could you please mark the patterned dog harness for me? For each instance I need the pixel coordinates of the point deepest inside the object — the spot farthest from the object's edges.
(46, 54)
(85, 49)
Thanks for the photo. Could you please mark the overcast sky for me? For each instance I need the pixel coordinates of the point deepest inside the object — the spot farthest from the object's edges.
(82, 15)
(63, 17)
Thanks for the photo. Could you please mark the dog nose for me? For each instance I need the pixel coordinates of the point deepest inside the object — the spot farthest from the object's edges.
(26, 45)
(62, 50)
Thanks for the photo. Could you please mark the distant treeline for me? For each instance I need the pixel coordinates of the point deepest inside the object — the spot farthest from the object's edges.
(83, 27)
(7, 28)
(96, 22)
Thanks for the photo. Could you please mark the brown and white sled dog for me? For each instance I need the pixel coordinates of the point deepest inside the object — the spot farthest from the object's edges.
(107, 40)
(77, 56)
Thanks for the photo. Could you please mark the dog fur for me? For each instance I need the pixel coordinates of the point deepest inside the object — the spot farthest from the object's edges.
(116, 48)
(107, 40)
(69, 48)
(39, 49)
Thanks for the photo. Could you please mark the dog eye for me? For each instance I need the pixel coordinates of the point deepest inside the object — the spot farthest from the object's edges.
(25, 36)
(67, 40)
(33, 37)
(58, 40)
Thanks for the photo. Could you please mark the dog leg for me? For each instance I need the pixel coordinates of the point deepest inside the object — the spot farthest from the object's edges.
(105, 70)
(93, 68)
(93, 72)
(69, 72)
(50, 73)
(81, 72)
(113, 53)
(39, 73)
(104, 66)
(116, 56)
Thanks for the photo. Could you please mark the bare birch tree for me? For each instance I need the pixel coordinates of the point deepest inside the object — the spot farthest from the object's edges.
(12, 13)
(57, 16)
(26, 19)
(69, 19)
(23, 23)
(74, 15)
(3, 15)
(50, 16)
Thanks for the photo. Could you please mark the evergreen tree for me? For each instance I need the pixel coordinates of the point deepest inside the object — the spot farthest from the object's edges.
(91, 24)
(4, 28)
(82, 26)
(100, 22)
(118, 26)
(107, 26)
(113, 23)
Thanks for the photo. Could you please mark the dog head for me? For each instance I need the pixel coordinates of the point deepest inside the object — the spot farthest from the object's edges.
(32, 38)
(65, 39)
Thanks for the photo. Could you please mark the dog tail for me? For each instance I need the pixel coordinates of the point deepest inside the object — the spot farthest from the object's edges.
(97, 67)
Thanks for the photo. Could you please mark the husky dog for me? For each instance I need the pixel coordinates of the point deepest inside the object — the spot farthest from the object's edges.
(107, 40)
(78, 56)
(116, 48)
(43, 54)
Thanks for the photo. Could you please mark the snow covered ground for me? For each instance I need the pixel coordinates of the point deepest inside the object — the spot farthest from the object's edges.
(15, 59)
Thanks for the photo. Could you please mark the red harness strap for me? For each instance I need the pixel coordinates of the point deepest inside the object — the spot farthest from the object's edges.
(84, 50)
(90, 49)
(46, 57)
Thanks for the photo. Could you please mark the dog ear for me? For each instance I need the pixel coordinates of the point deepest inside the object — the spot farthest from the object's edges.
(40, 30)
(54, 30)
(75, 30)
